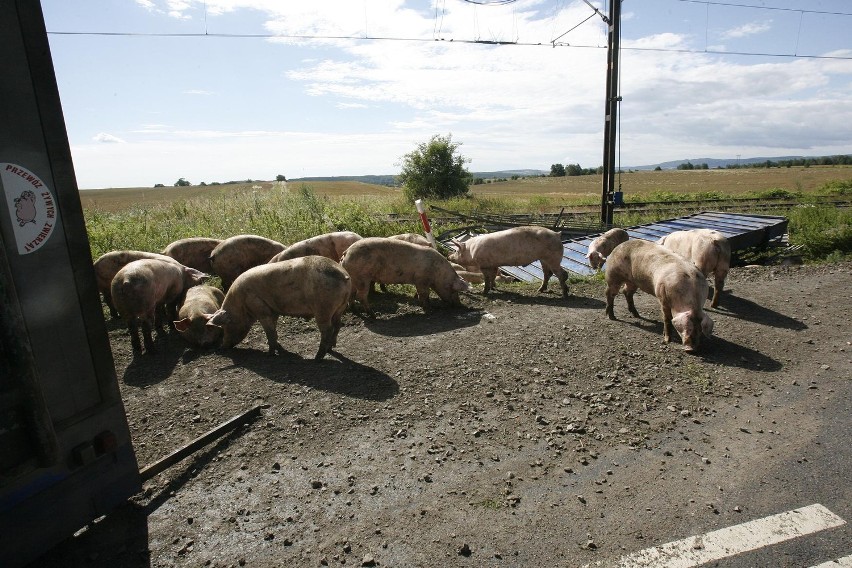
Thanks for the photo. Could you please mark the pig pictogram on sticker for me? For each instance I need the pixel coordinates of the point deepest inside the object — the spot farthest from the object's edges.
(25, 209)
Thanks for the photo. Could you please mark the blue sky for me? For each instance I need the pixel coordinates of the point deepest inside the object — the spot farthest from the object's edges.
(156, 90)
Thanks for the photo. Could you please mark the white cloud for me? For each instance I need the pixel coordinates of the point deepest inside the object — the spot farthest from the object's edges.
(510, 106)
(352, 105)
(107, 138)
(747, 30)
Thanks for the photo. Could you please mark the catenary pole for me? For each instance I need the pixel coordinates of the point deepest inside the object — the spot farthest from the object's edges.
(611, 112)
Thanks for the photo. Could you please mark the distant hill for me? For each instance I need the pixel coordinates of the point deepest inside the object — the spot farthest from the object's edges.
(390, 180)
(714, 163)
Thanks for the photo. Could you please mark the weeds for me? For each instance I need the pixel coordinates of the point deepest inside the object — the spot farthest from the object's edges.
(290, 215)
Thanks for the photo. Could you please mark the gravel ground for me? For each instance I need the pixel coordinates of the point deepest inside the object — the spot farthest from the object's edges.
(469, 437)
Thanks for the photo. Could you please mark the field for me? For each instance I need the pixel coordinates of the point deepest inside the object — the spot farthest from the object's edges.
(150, 218)
(637, 186)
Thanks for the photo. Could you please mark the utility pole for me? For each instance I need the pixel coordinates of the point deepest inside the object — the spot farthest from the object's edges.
(611, 112)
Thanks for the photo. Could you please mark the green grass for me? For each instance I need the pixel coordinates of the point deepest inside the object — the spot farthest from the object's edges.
(292, 212)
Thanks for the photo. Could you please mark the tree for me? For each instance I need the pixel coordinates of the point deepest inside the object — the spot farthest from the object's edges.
(435, 169)
(574, 170)
(557, 170)
(280, 177)
(182, 183)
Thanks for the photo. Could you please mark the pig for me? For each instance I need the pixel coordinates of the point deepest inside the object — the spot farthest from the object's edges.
(600, 248)
(329, 245)
(107, 266)
(192, 325)
(193, 252)
(309, 287)
(513, 247)
(235, 255)
(143, 286)
(677, 284)
(413, 238)
(709, 250)
(393, 261)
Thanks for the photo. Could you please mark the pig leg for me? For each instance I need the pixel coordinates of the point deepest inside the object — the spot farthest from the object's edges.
(629, 290)
(423, 296)
(326, 339)
(113, 313)
(611, 293)
(563, 281)
(336, 324)
(560, 274)
(667, 322)
(489, 274)
(133, 329)
(547, 274)
(361, 294)
(718, 285)
(147, 330)
(270, 328)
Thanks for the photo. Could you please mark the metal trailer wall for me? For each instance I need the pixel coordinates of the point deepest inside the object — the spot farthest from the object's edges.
(66, 456)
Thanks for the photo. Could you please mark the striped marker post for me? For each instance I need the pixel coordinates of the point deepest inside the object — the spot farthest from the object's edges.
(425, 220)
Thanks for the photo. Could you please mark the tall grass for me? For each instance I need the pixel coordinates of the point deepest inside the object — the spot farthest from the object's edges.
(824, 232)
(290, 213)
(284, 215)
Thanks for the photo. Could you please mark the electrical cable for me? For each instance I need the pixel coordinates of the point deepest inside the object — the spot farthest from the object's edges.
(732, 5)
(426, 40)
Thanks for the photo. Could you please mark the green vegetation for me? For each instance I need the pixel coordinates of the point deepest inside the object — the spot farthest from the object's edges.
(824, 231)
(435, 170)
(292, 212)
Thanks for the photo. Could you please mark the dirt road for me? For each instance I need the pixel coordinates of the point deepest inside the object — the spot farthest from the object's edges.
(527, 430)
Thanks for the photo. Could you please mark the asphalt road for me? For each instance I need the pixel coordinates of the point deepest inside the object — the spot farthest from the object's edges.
(787, 450)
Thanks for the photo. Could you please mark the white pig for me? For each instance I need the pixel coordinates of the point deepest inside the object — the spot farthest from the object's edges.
(192, 325)
(308, 287)
(677, 284)
(600, 248)
(107, 266)
(329, 245)
(413, 238)
(513, 247)
(392, 261)
(193, 252)
(143, 286)
(237, 254)
(708, 249)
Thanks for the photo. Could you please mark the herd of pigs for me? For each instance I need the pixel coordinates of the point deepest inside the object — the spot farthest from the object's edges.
(321, 276)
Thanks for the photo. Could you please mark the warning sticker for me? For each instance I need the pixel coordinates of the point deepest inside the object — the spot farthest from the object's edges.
(31, 206)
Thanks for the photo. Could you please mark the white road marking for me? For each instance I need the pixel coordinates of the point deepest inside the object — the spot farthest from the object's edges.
(722, 543)
(845, 562)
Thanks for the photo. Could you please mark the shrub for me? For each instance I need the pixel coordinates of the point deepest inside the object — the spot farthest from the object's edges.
(822, 230)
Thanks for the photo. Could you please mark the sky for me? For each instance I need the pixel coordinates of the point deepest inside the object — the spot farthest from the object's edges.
(219, 90)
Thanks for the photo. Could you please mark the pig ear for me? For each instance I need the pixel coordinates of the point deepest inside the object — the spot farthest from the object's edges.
(218, 318)
(588, 255)
(679, 322)
(706, 325)
(182, 325)
(458, 243)
(661, 240)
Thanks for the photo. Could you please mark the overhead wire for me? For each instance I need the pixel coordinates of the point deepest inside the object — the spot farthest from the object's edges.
(426, 40)
(735, 5)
